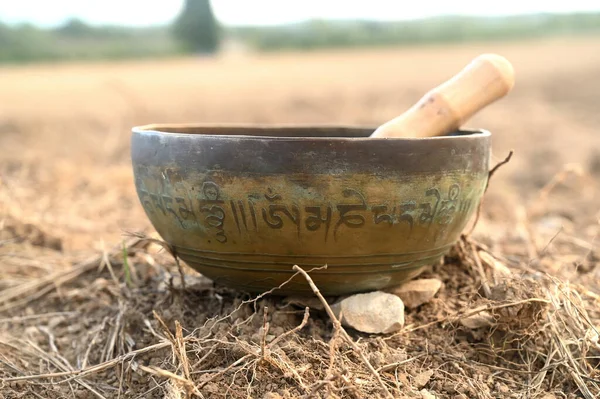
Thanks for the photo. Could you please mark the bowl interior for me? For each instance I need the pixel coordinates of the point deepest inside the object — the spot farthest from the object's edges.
(283, 131)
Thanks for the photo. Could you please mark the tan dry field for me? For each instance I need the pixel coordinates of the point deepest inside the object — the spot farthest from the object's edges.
(75, 323)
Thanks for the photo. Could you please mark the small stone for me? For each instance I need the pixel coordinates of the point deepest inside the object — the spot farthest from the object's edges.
(414, 293)
(374, 312)
(305, 301)
(500, 270)
(502, 388)
(593, 336)
(425, 394)
(422, 379)
(481, 319)
(32, 331)
(195, 281)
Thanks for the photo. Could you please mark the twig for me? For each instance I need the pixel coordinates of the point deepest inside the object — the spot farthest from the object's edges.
(47, 283)
(397, 364)
(203, 358)
(226, 369)
(17, 319)
(92, 343)
(487, 184)
(181, 274)
(92, 369)
(293, 330)
(181, 349)
(502, 306)
(186, 382)
(333, 344)
(263, 341)
(61, 363)
(105, 262)
(559, 178)
(573, 369)
(486, 288)
(338, 325)
(320, 384)
(164, 326)
(468, 314)
(255, 300)
(111, 343)
(498, 165)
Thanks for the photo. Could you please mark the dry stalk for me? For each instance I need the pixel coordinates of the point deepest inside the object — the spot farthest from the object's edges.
(111, 344)
(338, 325)
(294, 330)
(252, 357)
(263, 339)
(332, 349)
(91, 369)
(59, 362)
(35, 289)
(105, 262)
(486, 288)
(328, 381)
(181, 350)
(559, 178)
(226, 369)
(185, 381)
(499, 270)
(252, 301)
(17, 319)
(490, 307)
(398, 364)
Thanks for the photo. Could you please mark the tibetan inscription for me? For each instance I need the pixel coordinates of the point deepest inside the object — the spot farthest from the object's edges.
(221, 214)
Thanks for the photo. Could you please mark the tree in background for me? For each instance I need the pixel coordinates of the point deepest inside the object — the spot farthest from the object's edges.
(197, 28)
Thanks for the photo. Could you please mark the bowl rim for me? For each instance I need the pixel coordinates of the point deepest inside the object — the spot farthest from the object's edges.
(155, 129)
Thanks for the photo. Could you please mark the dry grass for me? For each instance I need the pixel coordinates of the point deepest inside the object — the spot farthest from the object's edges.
(86, 311)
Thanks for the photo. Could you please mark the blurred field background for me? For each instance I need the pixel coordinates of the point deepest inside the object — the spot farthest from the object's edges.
(69, 95)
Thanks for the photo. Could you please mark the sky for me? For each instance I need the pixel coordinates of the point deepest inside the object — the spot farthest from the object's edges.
(266, 12)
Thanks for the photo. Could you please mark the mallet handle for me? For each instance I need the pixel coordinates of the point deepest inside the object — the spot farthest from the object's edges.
(445, 108)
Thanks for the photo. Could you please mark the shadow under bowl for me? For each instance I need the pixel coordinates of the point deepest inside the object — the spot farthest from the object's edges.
(243, 204)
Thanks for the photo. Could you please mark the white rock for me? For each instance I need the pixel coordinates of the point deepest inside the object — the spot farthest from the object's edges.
(374, 312)
(414, 293)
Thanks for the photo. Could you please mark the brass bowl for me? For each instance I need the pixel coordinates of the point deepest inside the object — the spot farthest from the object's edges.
(243, 204)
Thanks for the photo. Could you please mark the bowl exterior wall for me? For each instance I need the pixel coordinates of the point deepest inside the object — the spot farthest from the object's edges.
(244, 210)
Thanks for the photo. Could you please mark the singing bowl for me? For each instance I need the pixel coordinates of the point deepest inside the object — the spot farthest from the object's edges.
(243, 204)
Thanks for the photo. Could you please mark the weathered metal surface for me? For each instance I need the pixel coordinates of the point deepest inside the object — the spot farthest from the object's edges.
(243, 205)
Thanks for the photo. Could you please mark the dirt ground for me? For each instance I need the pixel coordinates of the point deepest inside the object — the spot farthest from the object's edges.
(87, 310)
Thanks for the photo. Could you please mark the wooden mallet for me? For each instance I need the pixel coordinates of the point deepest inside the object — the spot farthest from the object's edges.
(445, 108)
